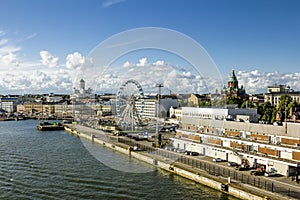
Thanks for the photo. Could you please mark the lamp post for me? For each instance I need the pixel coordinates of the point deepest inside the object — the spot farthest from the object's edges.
(159, 86)
(285, 119)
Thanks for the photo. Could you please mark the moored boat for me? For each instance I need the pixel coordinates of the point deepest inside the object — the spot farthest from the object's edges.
(50, 126)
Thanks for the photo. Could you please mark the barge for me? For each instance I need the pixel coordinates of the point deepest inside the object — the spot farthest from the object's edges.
(50, 126)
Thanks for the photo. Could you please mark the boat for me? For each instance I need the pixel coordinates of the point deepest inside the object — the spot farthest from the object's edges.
(50, 126)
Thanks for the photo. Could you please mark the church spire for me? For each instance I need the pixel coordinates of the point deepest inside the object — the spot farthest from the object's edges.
(233, 77)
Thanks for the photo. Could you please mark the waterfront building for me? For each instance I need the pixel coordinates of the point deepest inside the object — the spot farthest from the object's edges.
(33, 107)
(20, 108)
(105, 110)
(48, 109)
(150, 108)
(63, 110)
(9, 99)
(215, 113)
(8, 106)
(267, 145)
(100, 108)
(9, 103)
(242, 148)
(108, 104)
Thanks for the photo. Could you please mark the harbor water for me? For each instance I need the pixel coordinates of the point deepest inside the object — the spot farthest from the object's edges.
(56, 165)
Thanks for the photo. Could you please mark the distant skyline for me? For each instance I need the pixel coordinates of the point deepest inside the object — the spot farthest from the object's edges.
(43, 42)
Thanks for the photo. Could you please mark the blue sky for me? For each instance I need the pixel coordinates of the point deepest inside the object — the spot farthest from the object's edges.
(253, 37)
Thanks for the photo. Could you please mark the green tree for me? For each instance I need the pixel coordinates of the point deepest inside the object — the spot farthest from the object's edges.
(208, 103)
(267, 112)
(221, 102)
(247, 104)
(205, 104)
(284, 106)
(232, 100)
(235, 100)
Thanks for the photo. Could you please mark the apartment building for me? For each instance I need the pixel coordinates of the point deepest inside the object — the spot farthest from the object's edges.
(274, 93)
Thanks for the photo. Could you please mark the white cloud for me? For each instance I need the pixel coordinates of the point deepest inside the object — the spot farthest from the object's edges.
(2, 33)
(3, 41)
(159, 63)
(108, 3)
(9, 49)
(19, 77)
(33, 35)
(187, 74)
(20, 82)
(9, 58)
(142, 62)
(184, 79)
(127, 64)
(257, 81)
(48, 59)
(174, 79)
(8, 52)
(75, 60)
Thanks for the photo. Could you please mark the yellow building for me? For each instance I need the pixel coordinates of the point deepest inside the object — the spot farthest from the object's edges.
(33, 107)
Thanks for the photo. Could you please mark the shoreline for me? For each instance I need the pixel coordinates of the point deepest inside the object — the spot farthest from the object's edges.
(239, 190)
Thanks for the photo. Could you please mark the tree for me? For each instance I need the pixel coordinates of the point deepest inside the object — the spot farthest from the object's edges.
(204, 104)
(221, 102)
(284, 106)
(236, 101)
(232, 100)
(247, 104)
(267, 112)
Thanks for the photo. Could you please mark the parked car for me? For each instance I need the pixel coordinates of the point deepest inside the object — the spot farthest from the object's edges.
(232, 164)
(217, 160)
(192, 153)
(180, 150)
(169, 148)
(257, 172)
(242, 168)
(270, 174)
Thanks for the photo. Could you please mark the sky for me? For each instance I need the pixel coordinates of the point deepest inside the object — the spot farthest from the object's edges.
(45, 45)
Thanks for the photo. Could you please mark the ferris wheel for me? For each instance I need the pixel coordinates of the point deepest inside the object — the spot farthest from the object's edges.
(130, 105)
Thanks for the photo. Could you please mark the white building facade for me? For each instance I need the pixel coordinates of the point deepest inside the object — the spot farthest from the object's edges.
(220, 113)
(82, 93)
(149, 107)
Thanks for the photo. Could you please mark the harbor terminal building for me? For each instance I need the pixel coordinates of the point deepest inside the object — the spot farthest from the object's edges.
(220, 133)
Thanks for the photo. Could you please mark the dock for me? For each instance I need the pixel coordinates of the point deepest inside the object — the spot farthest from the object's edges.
(190, 167)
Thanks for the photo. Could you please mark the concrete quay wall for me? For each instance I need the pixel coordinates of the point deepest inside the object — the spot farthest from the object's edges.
(163, 164)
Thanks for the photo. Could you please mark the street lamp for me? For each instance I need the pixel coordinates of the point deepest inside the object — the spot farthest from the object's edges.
(285, 119)
(159, 86)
